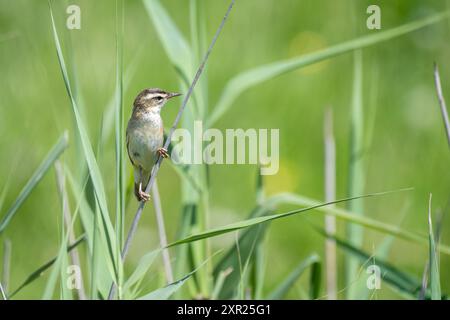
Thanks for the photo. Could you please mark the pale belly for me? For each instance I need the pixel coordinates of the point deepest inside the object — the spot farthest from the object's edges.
(143, 142)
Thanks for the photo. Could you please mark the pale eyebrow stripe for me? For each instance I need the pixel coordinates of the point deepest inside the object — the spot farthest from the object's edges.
(153, 95)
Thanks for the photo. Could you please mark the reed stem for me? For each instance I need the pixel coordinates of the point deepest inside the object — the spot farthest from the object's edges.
(437, 81)
(330, 195)
(162, 233)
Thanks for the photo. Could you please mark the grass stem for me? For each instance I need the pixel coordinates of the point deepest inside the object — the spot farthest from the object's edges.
(2, 291)
(74, 256)
(6, 264)
(356, 175)
(162, 233)
(437, 81)
(330, 195)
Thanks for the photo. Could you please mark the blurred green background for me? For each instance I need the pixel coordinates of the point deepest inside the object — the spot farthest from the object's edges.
(408, 146)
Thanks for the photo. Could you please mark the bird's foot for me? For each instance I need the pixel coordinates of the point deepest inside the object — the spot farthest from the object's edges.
(140, 195)
(163, 152)
(143, 196)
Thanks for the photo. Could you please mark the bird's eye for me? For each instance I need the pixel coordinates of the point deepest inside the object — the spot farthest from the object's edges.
(158, 98)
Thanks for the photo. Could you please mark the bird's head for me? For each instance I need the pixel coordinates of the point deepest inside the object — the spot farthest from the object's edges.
(152, 100)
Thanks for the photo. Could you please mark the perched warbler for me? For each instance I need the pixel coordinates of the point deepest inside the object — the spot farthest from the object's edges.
(145, 135)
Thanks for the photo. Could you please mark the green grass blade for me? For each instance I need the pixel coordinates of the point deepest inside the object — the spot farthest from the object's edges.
(97, 264)
(315, 280)
(183, 263)
(258, 264)
(120, 133)
(219, 281)
(51, 157)
(97, 251)
(61, 262)
(66, 292)
(174, 43)
(249, 243)
(60, 271)
(6, 264)
(283, 288)
(107, 229)
(56, 271)
(329, 142)
(258, 271)
(67, 226)
(435, 284)
(185, 175)
(254, 221)
(339, 213)
(248, 240)
(398, 279)
(381, 252)
(184, 171)
(110, 113)
(167, 291)
(244, 81)
(3, 292)
(5, 191)
(144, 264)
(197, 23)
(194, 28)
(356, 177)
(438, 231)
(345, 215)
(39, 272)
(442, 104)
(86, 214)
(243, 286)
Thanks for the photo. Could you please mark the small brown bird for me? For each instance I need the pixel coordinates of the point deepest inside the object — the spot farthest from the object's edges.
(145, 135)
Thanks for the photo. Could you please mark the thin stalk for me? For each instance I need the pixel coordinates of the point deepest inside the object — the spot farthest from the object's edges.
(119, 115)
(241, 287)
(2, 291)
(120, 134)
(219, 282)
(193, 13)
(94, 256)
(157, 165)
(439, 220)
(162, 233)
(435, 285)
(356, 169)
(6, 264)
(200, 250)
(330, 195)
(437, 82)
(74, 256)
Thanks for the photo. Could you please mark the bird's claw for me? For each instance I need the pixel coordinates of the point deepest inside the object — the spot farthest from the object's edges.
(140, 194)
(143, 196)
(163, 153)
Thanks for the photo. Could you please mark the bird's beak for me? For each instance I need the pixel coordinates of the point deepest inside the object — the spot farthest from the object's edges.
(173, 94)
